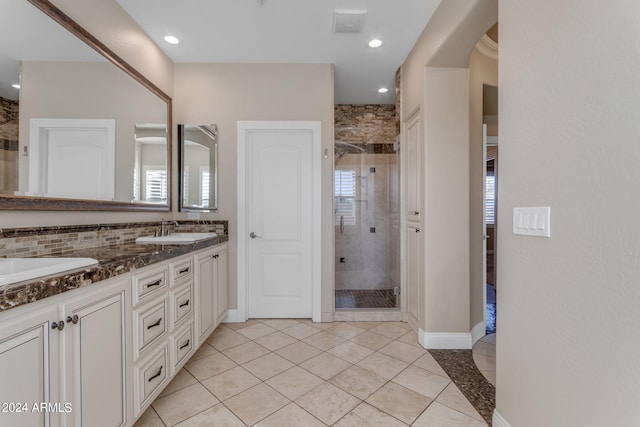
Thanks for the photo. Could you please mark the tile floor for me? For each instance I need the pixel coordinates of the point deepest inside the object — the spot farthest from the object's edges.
(365, 298)
(285, 372)
(484, 355)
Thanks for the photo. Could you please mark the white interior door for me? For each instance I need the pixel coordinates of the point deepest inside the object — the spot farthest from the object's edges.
(279, 222)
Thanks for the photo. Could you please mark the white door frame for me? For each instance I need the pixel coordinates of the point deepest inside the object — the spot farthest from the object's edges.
(244, 128)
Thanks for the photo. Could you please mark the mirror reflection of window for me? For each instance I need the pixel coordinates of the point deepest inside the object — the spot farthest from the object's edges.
(198, 147)
(150, 182)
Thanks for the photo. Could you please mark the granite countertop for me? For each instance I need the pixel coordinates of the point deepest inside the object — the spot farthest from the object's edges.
(112, 261)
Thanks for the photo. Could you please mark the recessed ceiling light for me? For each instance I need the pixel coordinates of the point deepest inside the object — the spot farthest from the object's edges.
(383, 90)
(17, 86)
(375, 43)
(171, 39)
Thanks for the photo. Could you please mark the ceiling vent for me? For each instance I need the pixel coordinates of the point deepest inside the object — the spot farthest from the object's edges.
(348, 21)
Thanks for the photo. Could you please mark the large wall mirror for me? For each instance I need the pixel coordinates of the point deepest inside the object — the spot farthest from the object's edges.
(80, 129)
(198, 160)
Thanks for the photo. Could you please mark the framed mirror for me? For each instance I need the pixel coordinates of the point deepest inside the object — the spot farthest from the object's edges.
(80, 129)
(198, 164)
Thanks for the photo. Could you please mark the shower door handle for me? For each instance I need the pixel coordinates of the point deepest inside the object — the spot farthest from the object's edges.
(341, 224)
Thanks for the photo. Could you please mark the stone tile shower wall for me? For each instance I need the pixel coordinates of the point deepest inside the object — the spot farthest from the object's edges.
(8, 146)
(368, 251)
(58, 241)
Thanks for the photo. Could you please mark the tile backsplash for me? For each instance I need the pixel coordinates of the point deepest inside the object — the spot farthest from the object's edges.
(56, 241)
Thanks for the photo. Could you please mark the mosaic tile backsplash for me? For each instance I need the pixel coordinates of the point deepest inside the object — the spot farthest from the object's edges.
(57, 241)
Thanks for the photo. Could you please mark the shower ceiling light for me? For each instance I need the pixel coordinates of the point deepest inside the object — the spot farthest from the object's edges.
(171, 39)
(383, 90)
(375, 43)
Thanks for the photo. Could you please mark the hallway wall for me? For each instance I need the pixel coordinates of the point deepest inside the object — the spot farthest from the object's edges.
(569, 344)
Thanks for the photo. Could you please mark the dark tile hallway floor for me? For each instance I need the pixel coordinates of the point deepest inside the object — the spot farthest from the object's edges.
(365, 298)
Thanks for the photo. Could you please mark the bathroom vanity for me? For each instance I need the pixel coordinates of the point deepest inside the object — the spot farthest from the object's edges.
(96, 346)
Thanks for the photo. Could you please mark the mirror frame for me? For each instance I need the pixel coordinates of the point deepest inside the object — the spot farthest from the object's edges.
(188, 208)
(10, 202)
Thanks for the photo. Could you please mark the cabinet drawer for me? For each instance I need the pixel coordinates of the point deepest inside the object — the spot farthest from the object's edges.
(182, 269)
(182, 343)
(150, 377)
(182, 303)
(151, 323)
(148, 284)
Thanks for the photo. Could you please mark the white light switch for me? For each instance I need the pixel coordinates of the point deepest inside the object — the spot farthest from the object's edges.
(532, 221)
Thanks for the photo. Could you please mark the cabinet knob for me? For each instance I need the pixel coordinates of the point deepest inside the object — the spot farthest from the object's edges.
(58, 325)
(73, 319)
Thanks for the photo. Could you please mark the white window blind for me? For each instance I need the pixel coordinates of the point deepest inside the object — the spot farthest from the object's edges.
(344, 190)
(156, 185)
(204, 187)
(490, 206)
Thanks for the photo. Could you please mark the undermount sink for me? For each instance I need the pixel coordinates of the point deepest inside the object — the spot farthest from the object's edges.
(14, 270)
(176, 238)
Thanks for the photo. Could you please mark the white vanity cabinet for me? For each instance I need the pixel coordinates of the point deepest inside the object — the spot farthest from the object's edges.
(211, 290)
(29, 367)
(95, 356)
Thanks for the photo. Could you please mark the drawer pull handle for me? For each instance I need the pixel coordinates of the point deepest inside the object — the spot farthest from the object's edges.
(73, 319)
(156, 375)
(184, 304)
(155, 324)
(184, 270)
(185, 345)
(215, 256)
(152, 284)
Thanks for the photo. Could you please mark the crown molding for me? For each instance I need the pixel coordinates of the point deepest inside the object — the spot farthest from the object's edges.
(487, 47)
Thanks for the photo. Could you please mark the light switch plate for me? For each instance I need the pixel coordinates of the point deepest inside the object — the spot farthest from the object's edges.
(532, 221)
(193, 215)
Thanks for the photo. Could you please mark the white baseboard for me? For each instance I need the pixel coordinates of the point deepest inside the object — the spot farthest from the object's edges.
(233, 316)
(498, 420)
(445, 340)
(478, 332)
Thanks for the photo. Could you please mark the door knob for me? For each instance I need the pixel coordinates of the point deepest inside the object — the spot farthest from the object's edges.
(254, 236)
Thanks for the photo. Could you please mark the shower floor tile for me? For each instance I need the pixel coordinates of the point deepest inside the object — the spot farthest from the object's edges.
(365, 298)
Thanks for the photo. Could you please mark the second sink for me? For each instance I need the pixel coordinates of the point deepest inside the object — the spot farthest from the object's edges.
(176, 238)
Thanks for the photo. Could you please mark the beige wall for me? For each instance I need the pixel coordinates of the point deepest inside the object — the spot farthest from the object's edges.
(108, 22)
(568, 316)
(226, 93)
(483, 70)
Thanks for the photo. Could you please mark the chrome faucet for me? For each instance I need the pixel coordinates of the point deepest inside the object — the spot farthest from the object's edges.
(164, 230)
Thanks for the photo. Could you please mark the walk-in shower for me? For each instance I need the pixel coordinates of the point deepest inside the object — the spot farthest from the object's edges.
(367, 232)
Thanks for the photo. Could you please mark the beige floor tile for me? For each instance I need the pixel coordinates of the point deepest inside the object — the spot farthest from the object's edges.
(221, 330)
(324, 341)
(486, 349)
(294, 382)
(365, 415)
(325, 365)
(204, 351)
(256, 331)
(400, 402)
(275, 341)
(351, 352)
(183, 404)
(231, 382)
(383, 365)
(491, 338)
(245, 352)
(298, 352)
(236, 326)
(225, 341)
(149, 419)
(291, 416)
(344, 330)
(410, 338)
(256, 403)
(454, 399)
(359, 382)
(182, 380)
(364, 325)
(209, 366)
(327, 403)
(390, 329)
(267, 366)
(490, 376)
(371, 340)
(421, 381)
(218, 416)
(429, 363)
(318, 325)
(280, 323)
(301, 331)
(438, 415)
(401, 351)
